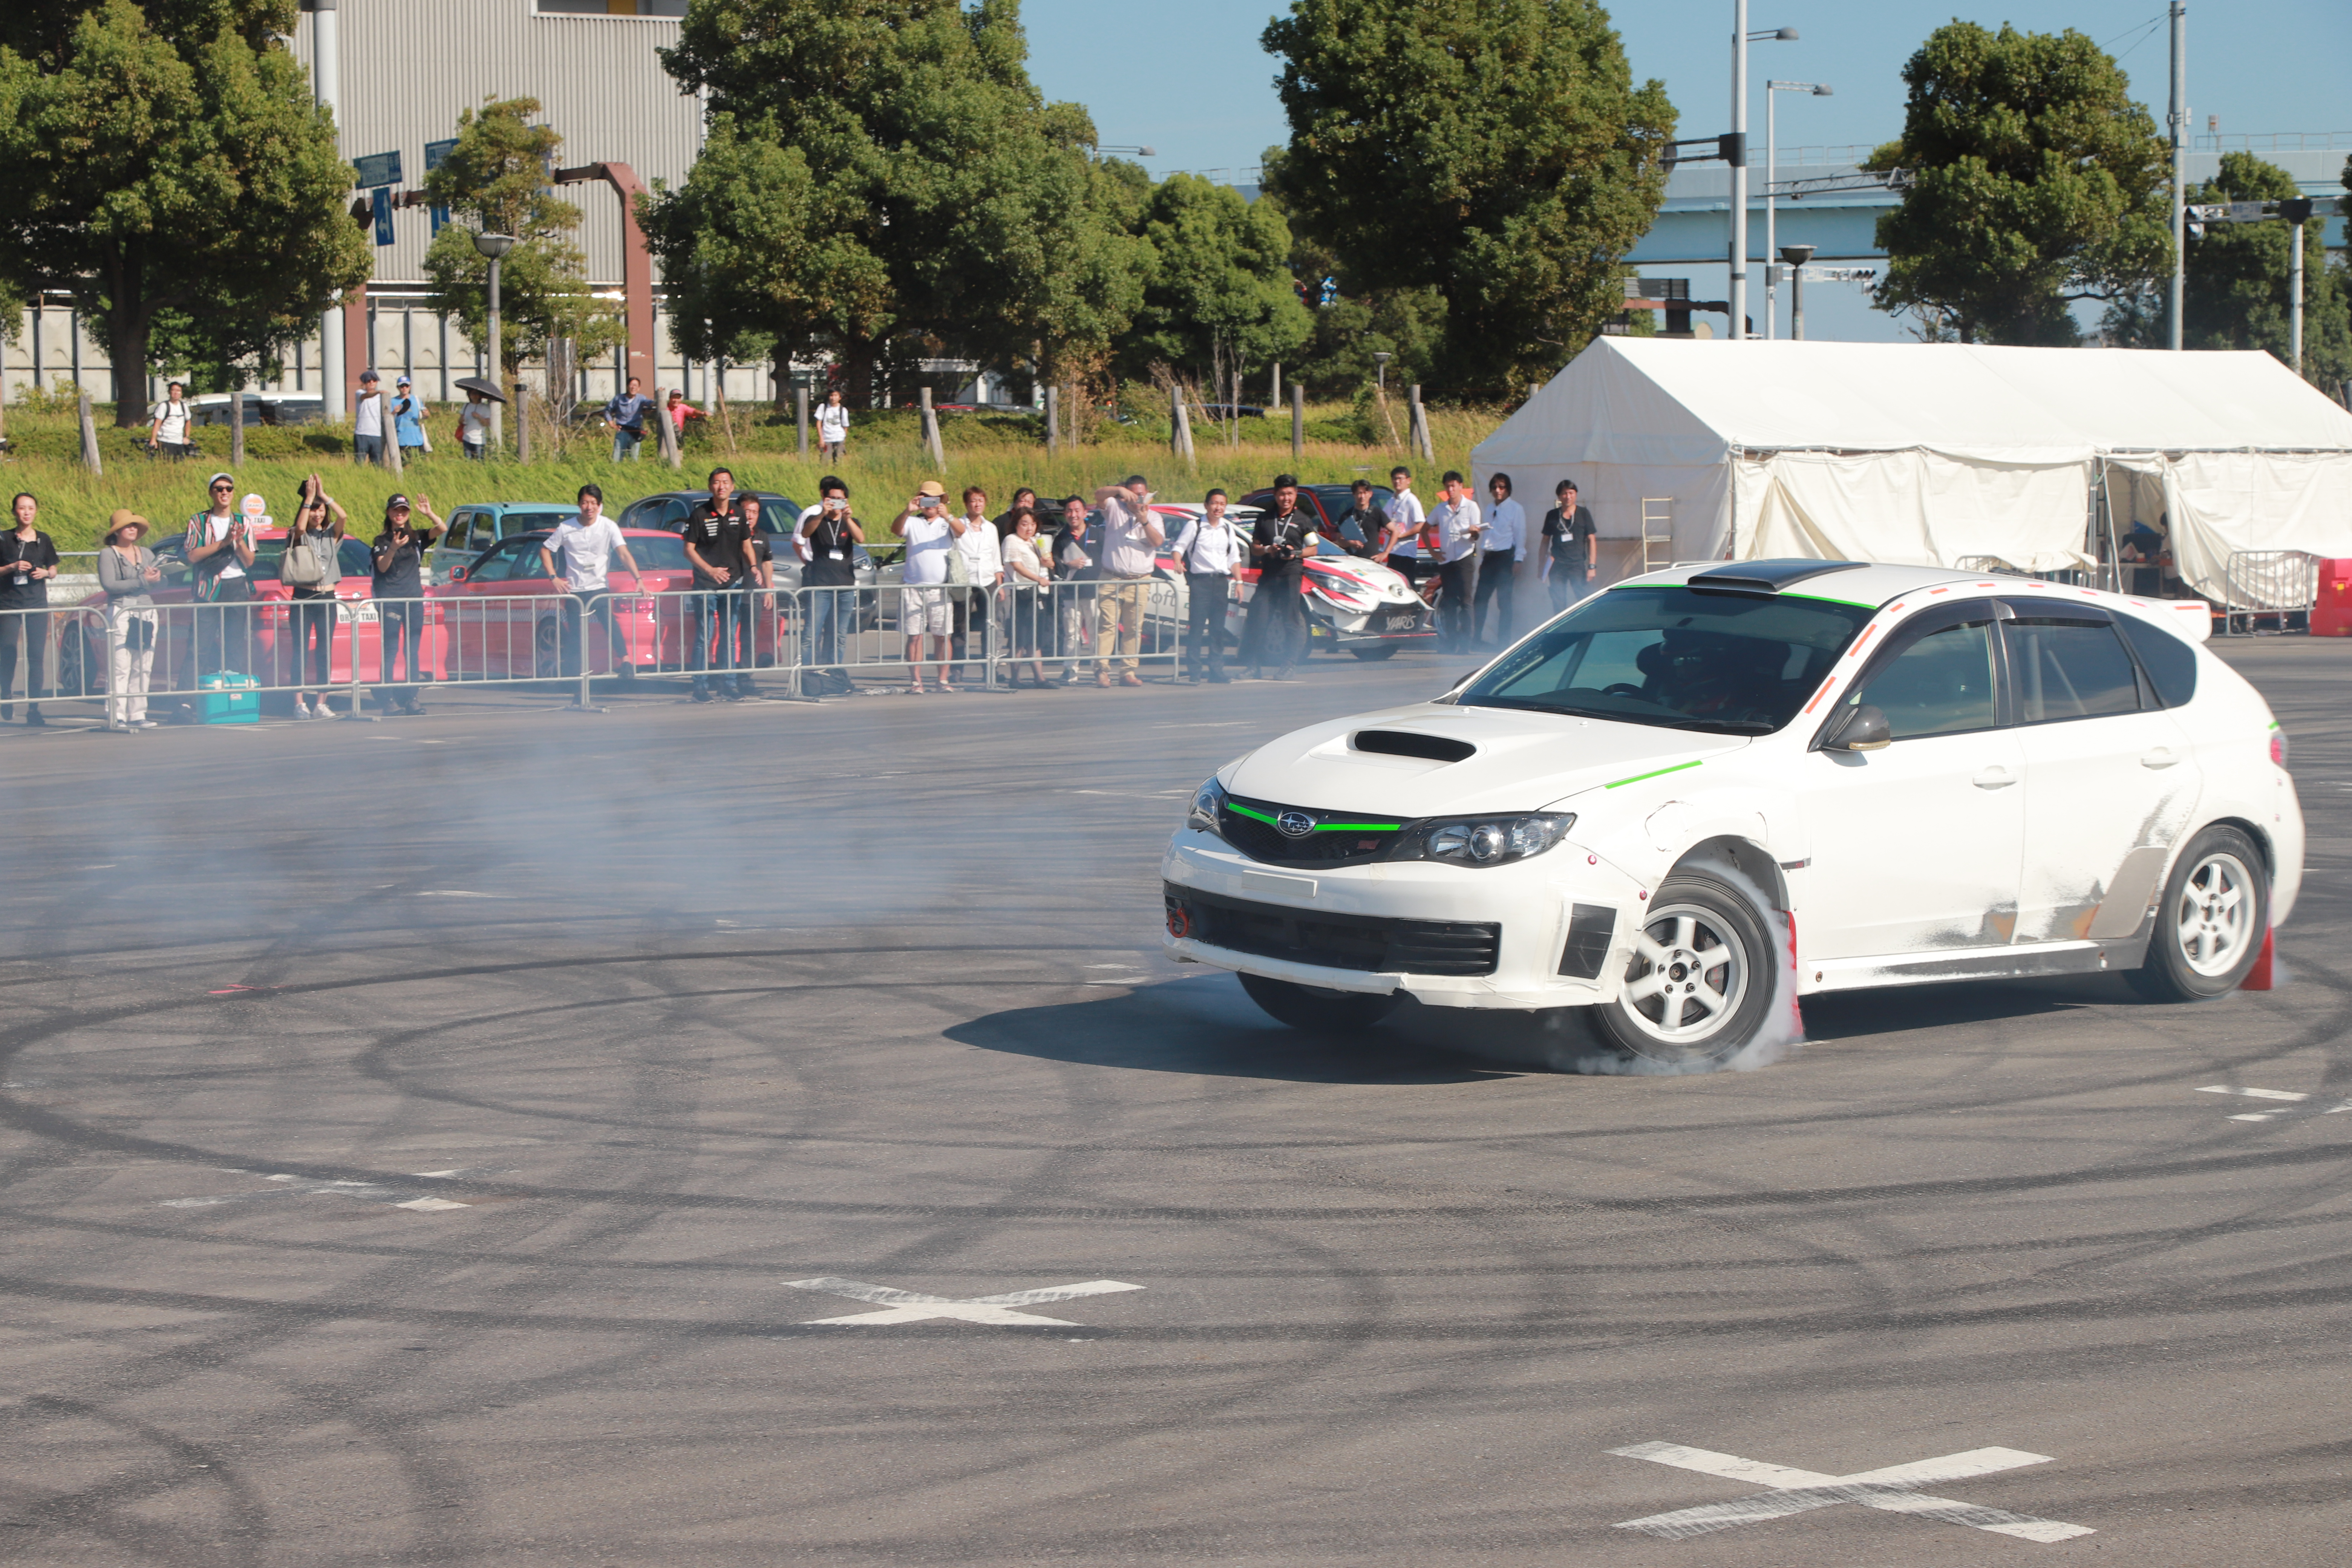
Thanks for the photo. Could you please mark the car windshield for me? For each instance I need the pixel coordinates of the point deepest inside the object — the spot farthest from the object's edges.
(1734, 664)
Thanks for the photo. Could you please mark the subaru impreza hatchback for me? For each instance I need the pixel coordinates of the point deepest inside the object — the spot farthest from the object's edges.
(1704, 778)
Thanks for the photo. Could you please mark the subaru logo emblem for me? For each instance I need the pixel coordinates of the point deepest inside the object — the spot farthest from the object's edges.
(1295, 824)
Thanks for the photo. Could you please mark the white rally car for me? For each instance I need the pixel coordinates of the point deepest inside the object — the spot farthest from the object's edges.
(1707, 779)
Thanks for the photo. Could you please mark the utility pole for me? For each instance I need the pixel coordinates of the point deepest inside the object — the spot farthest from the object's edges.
(326, 81)
(2297, 212)
(1739, 169)
(2179, 123)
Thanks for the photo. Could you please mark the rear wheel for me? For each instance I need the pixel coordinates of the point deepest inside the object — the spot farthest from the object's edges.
(1700, 984)
(1372, 653)
(2211, 921)
(1315, 1009)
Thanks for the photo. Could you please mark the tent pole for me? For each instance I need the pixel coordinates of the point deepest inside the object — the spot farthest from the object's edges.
(2114, 547)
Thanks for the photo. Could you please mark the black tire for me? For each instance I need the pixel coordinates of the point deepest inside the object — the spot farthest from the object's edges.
(2210, 923)
(1701, 987)
(547, 650)
(74, 664)
(1316, 1010)
(1372, 653)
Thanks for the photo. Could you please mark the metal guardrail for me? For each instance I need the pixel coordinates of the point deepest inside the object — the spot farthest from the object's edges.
(216, 662)
(2283, 585)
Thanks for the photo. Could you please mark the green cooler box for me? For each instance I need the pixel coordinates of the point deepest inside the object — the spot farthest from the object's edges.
(228, 699)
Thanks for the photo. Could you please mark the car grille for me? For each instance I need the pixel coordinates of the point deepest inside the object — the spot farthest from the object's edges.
(1340, 838)
(1369, 943)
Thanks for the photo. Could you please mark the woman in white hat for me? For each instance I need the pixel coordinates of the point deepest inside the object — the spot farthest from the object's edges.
(127, 568)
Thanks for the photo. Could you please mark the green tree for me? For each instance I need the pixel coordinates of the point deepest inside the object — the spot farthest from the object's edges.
(935, 164)
(1219, 297)
(1496, 152)
(2239, 279)
(172, 162)
(2036, 183)
(495, 181)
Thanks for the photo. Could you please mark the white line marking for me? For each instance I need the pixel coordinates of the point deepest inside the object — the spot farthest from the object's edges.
(914, 1307)
(459, 894)
(432, 1205)
(1893, 1488)
(2288, 1095)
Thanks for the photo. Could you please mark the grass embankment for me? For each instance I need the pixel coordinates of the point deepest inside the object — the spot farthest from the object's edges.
(885, 461)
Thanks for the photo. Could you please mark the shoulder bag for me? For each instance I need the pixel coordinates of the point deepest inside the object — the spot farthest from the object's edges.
(300, 567)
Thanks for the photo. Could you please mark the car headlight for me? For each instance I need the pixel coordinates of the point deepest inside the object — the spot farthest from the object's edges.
(1206, 802)
(1484, 840)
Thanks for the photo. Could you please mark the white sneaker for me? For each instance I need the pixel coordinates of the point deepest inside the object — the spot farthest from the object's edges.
(145, 724)
(322, 712)
(301, 708)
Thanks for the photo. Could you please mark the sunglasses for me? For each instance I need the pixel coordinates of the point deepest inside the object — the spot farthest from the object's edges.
(217, 488)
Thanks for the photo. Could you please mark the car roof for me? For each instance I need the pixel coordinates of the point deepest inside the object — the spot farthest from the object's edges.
(1872, 583)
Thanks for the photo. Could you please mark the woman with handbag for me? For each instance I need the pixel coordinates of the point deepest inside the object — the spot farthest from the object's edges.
(310, 568)
(127, 570)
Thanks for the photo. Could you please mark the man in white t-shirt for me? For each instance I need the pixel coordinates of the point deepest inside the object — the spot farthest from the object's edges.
(983, 550)
(588, 543)
(169, 433)
(1406, 518)
(218, 551)
(832, 424)
(931, 534)
(367, 420)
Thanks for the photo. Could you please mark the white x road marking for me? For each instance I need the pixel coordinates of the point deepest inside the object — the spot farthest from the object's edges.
(914, 1307)
(1895, 1488)
(2270, 1094)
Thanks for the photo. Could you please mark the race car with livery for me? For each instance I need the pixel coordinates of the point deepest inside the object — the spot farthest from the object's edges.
(1710, 790)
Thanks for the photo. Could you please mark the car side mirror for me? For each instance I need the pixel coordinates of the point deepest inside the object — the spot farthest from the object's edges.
(1865, 729)
(457, 573)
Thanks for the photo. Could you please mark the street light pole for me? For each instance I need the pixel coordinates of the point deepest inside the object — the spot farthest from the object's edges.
(494, 246)
(1771, 176)
(1740, 39)
(1796, 256)
(2180, 168)
(2294, 297)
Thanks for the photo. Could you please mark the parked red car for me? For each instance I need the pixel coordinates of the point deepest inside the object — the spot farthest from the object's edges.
(81, 631)
(500, 616)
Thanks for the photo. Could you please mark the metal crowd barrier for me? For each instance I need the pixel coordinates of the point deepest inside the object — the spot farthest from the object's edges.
(216, 662)
(2281, 583)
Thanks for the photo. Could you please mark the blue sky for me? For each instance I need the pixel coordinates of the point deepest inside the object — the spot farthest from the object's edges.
(1191, 79)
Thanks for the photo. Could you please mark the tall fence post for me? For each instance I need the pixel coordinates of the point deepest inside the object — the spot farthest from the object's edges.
(1179, 423)
(391, 441)
(800, 416)
(522, 422)
(89, 437)
(1273, 388)
(1420, 434)
(1053, 423)
(931, 433)
(1234, 424)
(667, 431)
(1297, 420)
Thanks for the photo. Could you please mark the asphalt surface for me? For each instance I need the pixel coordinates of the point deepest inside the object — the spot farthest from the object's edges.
(709, 1015)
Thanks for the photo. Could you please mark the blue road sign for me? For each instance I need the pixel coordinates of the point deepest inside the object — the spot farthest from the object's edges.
(378, 169)
(383, 215)
(435, 152)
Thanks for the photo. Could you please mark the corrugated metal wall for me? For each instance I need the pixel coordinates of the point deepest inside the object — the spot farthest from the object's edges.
(409, 65)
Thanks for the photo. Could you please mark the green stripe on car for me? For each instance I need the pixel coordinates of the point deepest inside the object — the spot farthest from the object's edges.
(1660, 773)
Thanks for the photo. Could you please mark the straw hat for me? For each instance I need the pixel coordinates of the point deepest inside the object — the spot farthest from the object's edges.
(124, 518)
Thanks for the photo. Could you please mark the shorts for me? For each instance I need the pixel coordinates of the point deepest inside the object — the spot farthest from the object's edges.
(925, 609)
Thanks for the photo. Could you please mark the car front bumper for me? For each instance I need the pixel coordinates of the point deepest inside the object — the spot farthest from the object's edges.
(1553, 932)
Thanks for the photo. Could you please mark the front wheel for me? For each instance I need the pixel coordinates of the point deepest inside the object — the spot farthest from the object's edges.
(1315, 1009)
(2211, 921)
(1700, 984)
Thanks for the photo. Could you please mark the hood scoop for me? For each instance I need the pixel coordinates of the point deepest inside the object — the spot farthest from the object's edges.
(1412, 743)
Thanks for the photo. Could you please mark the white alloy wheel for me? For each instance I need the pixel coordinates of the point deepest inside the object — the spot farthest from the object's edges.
(1687, 979)
(2213, 918)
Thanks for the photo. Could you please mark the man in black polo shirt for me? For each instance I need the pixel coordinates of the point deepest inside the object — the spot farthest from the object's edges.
(1570, 536)
(831, 533)
(717, 546)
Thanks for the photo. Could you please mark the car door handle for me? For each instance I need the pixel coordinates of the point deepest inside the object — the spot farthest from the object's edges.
(1994, 778)
(2162, 757)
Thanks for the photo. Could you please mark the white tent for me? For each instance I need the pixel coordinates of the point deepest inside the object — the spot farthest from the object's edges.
(1932, 454)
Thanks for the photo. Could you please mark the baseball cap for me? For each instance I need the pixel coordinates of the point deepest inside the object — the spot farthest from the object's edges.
(367, 375)
(397, 503)
(403, 381)
(221, 478)
(931, 487)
